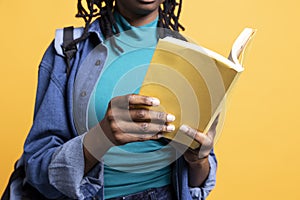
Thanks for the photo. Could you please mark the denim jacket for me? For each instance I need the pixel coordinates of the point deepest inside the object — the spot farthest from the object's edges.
(53, 151)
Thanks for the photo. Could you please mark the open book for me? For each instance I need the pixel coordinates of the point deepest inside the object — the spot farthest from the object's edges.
(192, 82)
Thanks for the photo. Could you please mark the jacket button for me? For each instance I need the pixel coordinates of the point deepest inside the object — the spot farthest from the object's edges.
(83, 94)
(98, 62)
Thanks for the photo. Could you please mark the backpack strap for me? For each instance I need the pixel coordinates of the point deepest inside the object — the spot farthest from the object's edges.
(69, 49)
(63, 37)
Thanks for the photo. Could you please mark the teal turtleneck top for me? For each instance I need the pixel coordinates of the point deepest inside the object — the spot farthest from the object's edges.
(136, 166)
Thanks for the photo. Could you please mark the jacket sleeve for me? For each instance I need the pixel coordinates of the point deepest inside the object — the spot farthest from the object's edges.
(180, 180)
(201, 193)
(54, 162)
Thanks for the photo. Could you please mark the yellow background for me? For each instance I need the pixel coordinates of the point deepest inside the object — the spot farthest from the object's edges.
(258, 149)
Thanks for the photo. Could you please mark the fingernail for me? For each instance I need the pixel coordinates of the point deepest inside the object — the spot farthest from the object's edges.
(170, 118)
(154, 101)
(170, 128)
(159, 136)
(184, 128)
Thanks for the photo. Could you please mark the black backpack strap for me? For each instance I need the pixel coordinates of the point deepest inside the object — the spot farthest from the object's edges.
(69, 49)
(163, 32)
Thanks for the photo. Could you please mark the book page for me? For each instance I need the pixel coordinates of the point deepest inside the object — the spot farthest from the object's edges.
(240, 44)
(192, 83)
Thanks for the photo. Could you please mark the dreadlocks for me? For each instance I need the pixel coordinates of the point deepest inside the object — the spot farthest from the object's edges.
(168, 16)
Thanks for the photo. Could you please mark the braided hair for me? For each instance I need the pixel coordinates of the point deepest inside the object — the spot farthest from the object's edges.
(169, 12)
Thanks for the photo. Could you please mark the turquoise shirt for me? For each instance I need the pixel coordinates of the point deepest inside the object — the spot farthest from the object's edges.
(136, 166)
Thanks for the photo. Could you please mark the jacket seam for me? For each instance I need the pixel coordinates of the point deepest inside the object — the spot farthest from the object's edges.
(45, 66)
(53, 78)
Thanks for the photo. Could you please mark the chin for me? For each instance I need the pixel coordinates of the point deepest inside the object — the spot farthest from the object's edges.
(146, 6)
(139, 7)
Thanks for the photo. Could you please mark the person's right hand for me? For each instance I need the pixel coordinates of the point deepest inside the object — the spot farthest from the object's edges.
(129, 118)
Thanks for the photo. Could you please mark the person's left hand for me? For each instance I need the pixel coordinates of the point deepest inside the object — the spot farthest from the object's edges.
(206, 142)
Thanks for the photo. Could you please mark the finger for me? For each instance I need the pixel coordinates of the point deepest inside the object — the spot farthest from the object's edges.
(144, 115)
(117, 114)
(135, 99)
(212, 133)
(193, 133)
(212, 130)
(130, 100)
(215, 123)
(141, 127)
(137, 137)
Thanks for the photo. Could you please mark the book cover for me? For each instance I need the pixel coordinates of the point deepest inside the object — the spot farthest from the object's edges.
(192, 82)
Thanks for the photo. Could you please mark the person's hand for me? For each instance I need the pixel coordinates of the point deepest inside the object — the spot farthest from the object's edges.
(206, 142)
(129, 118)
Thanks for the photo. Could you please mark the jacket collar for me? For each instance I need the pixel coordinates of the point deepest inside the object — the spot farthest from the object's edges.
(95, 29)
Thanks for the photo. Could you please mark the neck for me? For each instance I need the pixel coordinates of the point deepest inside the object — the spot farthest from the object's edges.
(138, 19)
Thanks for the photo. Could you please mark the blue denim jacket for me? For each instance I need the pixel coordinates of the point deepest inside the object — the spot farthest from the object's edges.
(53, 151)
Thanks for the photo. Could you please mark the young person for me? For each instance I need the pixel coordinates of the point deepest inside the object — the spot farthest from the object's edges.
(89, 141)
